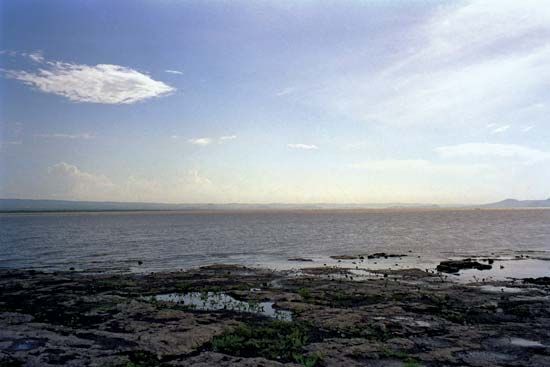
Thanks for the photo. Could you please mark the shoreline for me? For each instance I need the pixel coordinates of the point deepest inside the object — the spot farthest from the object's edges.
(503, 267)
(226, 315)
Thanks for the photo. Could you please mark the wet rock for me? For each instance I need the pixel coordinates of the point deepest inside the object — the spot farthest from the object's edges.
(538, 281)
(303, 259)
(454, 266)
(484, 358)
(112, 319)
(384, 255)
(406, 273)
(345, 257)
(209, 359)
(348, 352)
(14, 318)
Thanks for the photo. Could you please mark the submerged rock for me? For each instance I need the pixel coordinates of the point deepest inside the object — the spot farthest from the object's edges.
(384, 255)
(299, 259)
(345, 257)
(377, 255)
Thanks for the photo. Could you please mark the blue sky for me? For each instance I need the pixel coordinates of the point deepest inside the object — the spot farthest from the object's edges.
(230, 101)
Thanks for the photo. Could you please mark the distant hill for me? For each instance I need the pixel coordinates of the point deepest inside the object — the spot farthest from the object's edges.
(29, 205)
(513, 203)
(68, 205)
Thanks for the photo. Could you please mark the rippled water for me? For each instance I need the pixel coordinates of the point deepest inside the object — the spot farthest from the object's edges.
(173, 240)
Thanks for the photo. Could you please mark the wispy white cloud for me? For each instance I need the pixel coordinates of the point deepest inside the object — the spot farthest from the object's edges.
(469, 63)
(508, 151)
(83, 136)
(208, 140)
(200, 141)
(285, 91)
(228, 137)
(102, 83)
(72, 182)
(8, 53)
(527, 128)
(177, 72)
(500, 129)
(194, 177)
(35, 56)
(303, 146)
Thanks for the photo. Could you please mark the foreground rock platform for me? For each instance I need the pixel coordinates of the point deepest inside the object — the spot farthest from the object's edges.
(388, 318)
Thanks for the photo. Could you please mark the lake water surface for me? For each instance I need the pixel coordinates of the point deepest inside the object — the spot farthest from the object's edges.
(174, 240)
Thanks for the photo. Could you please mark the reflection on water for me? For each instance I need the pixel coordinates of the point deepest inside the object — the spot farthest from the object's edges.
(216, 301)
(507, 270)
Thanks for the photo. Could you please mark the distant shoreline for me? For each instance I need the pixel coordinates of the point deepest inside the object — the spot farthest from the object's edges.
(268, 210)
(63, 206)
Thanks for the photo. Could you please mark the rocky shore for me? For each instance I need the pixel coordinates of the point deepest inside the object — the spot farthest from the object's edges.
(226, 315)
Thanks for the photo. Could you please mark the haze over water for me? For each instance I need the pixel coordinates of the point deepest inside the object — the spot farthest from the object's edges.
(175, 240)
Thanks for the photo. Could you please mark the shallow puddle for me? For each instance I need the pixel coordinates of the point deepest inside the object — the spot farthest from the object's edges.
(26, 344)
(520, 342)
(214, 301)
(423, 323)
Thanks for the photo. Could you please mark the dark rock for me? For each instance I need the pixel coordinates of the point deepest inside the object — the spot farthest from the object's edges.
(539, 281)
(391, 319)
(299, 259)
(345, 257)
(454, 266)
(379, 255)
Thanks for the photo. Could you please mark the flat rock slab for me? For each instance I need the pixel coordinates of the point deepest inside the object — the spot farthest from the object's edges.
(408, 318)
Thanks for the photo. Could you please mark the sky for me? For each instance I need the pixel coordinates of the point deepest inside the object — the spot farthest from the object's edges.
(275, 101)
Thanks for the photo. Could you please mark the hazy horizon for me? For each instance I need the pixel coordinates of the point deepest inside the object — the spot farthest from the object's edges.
(336, 102)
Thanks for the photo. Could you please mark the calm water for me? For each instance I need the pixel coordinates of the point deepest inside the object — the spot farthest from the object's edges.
(174, 240)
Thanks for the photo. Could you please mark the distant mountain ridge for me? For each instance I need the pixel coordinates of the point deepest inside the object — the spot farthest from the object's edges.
(37, 205)
(513, 203)
(33, 205)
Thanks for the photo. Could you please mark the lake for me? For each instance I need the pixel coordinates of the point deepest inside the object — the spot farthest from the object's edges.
(118, 241)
